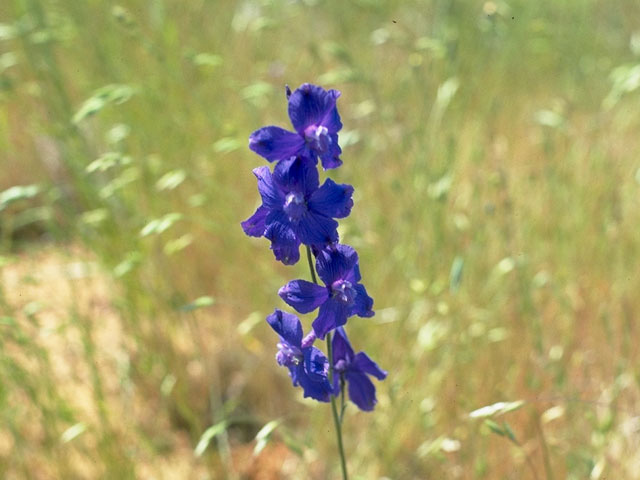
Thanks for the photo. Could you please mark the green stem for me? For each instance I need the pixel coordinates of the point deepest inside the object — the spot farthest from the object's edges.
(337, 421)
(311, 267)
(334, 410)
(343, 407)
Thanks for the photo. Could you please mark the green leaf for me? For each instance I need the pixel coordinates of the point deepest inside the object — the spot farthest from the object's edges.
(249, 323)
(227, 144)
(106, 161)
(626, 79)
(499, 408)
(445, 94)
(199, 302)
(549, 118)
(94, 217)
(8, 60)
(257, 92)
(19, 192)
(178, 244)
(32, 215)
(207, 60)
(115, 94)
(171, 180)
(437, 48)
(504, 266)
(455, 277)
(509, 432)
(117, 134)
(160, 225)
(129, 263)
(208, 435)
(127, 176)
(439, 189)
(7, 32)
(167, 384)
(349, 137)
(73, 432)
(263, 436)
(339, 75)
(32, 308)
(494, 427)
(292, 444)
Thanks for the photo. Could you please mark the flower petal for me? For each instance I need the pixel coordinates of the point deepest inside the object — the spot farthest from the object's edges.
(294, 373)
(336, 263)
(297, 174)
(303, 296)
(354, 274)
(254, 226)
(332, 200)
(308, 340)
(332, 119)
(315, 229)
(316, 364)
(331, 315)
(320, 391)
(284, 241)
(363, 362)
(316, 249)
(342, 349)
(363, 306)
(287, 325)
(275, 143)
(331, 158)
(362, 392)
(313, 105)
(272, 196)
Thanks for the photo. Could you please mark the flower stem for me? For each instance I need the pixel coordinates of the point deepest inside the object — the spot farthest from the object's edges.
(343, 407)
(337, 420)
(311, 267)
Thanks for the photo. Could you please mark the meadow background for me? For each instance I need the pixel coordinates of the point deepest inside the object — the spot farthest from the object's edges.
(495, 152)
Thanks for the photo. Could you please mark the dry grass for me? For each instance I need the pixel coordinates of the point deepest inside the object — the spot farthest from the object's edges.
(477, 135)
(67, 308)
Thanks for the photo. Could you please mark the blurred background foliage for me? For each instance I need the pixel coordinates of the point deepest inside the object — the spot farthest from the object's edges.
(494, 150)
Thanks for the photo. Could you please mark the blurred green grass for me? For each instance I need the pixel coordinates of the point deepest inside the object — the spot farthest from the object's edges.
(494, 151)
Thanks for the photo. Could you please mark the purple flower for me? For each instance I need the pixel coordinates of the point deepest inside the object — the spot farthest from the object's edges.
(294, 210)
(308, 367)
(314, 116)
(340, 298)
(354, 370)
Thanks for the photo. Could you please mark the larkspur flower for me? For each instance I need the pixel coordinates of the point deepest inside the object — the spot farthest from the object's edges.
(340, 298)
(308, 366)
(295, 210)
(314, 116)
(354, 368)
